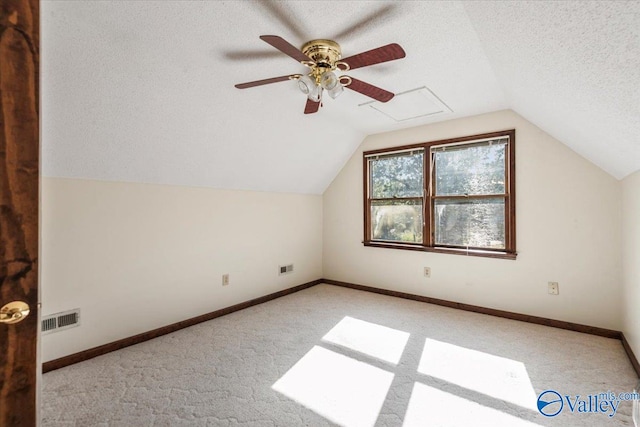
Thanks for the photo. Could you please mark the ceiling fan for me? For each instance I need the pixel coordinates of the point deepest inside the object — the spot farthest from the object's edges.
(324, 58)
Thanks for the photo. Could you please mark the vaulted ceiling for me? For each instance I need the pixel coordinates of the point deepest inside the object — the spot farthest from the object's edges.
(144, 91)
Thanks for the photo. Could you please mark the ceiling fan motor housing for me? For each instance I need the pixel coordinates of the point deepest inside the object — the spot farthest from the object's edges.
(325, 53)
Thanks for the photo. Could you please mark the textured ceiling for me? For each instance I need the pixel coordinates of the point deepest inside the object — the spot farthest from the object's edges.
(573, 69)
(143, 91)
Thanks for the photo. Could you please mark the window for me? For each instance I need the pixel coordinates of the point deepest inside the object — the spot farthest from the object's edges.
(455, 196)
(397, 196)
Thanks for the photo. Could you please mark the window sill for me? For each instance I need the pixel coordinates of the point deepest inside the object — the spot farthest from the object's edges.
(464, 252)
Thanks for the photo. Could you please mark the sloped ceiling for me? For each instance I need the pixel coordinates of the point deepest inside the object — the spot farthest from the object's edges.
(571, 68)
(143, 91)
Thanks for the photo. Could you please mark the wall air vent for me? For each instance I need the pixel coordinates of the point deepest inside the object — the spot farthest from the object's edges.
(49, 324)
(60, 321)
(285, 269)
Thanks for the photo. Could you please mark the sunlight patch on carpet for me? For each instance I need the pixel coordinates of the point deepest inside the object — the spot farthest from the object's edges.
(383, 343)
(337, 387)
(494, 376)
(429, 406)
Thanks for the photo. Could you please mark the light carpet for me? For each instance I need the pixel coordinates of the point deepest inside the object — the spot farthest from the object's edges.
(334, 356)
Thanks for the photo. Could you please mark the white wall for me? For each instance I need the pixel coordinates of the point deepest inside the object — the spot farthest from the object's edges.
(134, 257)
(631, 260)
(568, 230)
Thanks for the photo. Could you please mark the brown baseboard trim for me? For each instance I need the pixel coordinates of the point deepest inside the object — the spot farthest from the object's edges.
(608, 333)
(146, 336)
(632, 357)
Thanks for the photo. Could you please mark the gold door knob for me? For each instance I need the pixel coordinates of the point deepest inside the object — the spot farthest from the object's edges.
(14, 312)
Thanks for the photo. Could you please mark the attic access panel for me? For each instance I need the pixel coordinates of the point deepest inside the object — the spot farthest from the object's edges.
(412, 104)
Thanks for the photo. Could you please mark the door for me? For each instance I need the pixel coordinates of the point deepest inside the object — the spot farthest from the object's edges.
(19, 177)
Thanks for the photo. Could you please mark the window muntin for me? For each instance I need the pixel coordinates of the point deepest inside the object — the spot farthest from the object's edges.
(466, 203)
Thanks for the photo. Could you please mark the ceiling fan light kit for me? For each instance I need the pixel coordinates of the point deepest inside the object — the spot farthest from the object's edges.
(323, 58)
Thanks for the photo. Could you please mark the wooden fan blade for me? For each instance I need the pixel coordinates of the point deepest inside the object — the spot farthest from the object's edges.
(285, 47)
(386, 53)
(264, 82)
(311, 107)
(370, 90)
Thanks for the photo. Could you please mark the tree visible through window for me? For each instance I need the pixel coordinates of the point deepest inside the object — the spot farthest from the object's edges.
(446, 195)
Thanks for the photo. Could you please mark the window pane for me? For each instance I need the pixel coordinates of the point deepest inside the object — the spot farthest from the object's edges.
(397, 176)
(475, 223)
(399, 221)
(473, 170)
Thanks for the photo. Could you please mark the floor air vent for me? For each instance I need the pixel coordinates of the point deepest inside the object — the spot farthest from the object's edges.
(61, 321)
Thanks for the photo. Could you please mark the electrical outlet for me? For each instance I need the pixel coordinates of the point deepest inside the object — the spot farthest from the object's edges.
(427, 272)
(554, 288)
(225, 279)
